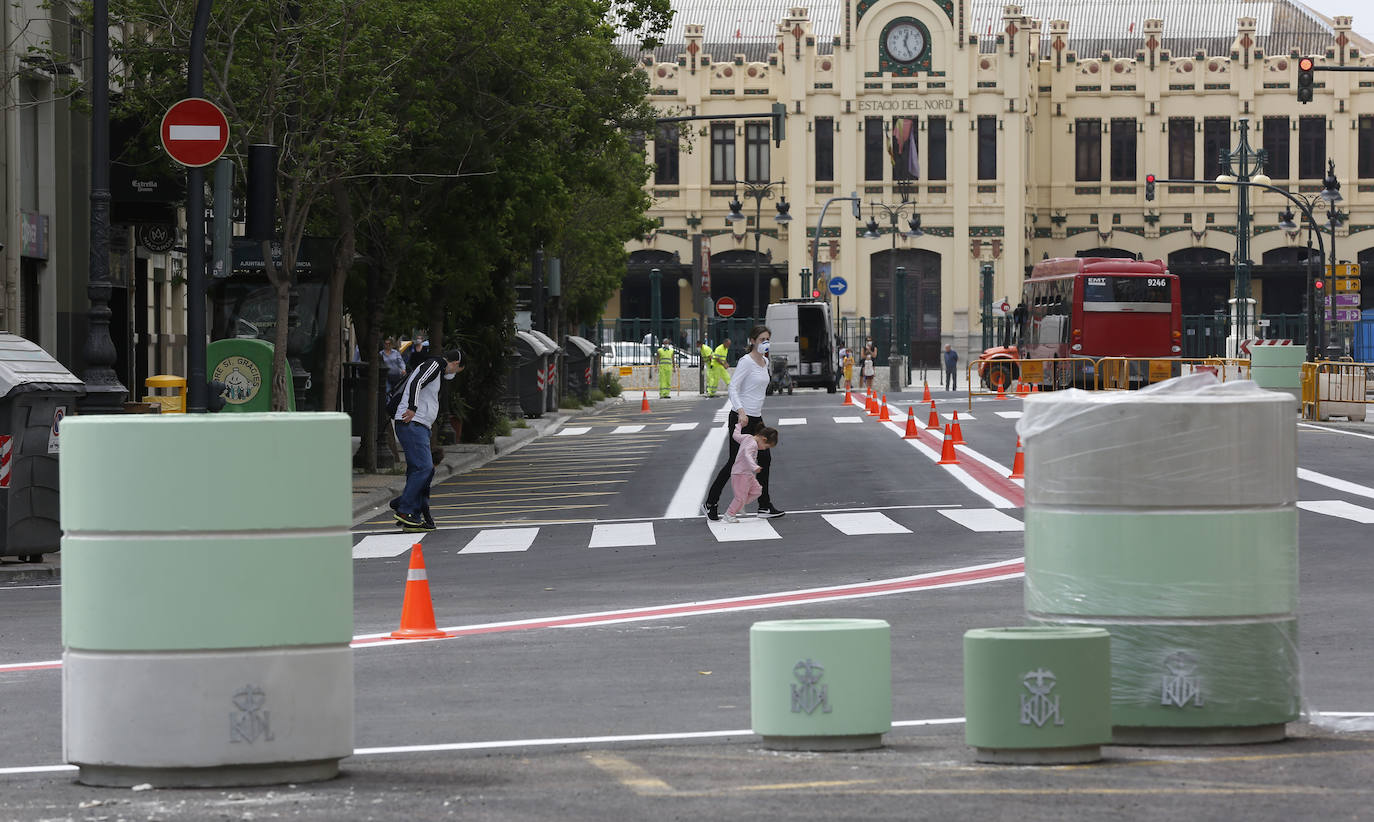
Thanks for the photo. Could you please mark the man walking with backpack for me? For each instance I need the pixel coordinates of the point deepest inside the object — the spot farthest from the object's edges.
(414, 409)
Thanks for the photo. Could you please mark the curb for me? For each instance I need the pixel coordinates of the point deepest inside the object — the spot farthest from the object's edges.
(29, 571)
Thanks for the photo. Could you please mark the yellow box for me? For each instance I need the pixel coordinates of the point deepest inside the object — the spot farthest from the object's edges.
(173, 403)
(626, 370)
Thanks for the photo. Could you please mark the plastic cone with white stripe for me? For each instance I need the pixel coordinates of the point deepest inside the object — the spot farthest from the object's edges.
(925, 392)
(948, 456)
(933, 423)
(911, 433)
(883, 415)
(1018, 464)
(417, 612)
(958, 432)
(644, 403)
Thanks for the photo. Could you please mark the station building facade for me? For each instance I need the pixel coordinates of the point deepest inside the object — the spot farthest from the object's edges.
(1013, 136)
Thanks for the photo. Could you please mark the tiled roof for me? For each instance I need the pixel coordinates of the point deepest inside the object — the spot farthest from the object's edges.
(732, 27)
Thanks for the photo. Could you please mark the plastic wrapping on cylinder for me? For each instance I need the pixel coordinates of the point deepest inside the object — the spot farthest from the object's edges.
(1169, 517)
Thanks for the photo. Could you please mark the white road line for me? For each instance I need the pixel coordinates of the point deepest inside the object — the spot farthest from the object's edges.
(965, 418)
(1336, 483)
(1008, 415)
(627, 429)
(792, 421)
(501, 540)
(384, 545)
(984, 519)
(622, 535)
(691, 489)
(571, 432)
(858, 524)
(745, 530)
(1335, 430)
(1339, 508)
(683, 426)
(843, 420)
(997, 500)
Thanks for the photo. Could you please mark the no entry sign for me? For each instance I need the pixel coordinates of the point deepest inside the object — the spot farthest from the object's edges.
(725, 307)
(195, 132)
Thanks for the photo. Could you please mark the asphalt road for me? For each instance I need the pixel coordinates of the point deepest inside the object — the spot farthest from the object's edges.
(544, 718)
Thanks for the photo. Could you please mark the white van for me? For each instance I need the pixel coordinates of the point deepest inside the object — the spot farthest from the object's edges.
(802, 332)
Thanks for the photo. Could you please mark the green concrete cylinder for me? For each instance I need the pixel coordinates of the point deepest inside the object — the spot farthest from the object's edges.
(1279, 368)
(1168, 516)
(1037, 695)
(207, 603)
(821, 684)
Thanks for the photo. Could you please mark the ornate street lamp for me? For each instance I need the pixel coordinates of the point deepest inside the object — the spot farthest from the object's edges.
(759, 192)
(1244, 165)
(894, 213)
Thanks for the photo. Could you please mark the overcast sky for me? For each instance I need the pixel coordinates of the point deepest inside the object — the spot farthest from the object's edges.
(1361, 10)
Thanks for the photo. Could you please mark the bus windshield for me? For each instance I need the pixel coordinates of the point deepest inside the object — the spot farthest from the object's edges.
(1126, 294)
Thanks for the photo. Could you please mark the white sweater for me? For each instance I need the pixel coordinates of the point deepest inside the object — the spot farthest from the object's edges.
(749, 386)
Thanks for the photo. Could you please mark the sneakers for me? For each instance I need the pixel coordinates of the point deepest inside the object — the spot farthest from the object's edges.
(729, 517)
(770, 511)
(710, 510)
(410, 520)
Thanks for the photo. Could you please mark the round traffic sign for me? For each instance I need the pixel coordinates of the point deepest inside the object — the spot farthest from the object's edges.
(838, 286)
(195, 132)
(725, 307)
(1005, 307)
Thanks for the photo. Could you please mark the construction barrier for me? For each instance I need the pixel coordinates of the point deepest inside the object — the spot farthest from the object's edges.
(645, 377)
(1008, 378)
(1336, 389)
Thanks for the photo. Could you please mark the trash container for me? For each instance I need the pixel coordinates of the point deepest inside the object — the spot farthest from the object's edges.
(579, 366)
(167, 391)
(526, 381)
(553, 389)
(36, 392)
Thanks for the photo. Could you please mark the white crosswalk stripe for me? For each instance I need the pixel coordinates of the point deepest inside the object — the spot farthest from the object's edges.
(867, 522)
(1339, 508)
(628, 429)
(965, 418)
(792, 421)
(501, 540)
(843, 420)
(572, 432)
(983, 519)
(683, 426)
(747, 529)
(1008, 415)
(375, 546)
(622, 535)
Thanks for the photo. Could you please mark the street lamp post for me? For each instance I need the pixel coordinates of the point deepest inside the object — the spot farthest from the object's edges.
(1242, 166)
(759, 192)
(894, 213)
(655, 306)
(1331, 194)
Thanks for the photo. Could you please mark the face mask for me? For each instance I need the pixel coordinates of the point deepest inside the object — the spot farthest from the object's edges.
(450, 376)
(763, 347)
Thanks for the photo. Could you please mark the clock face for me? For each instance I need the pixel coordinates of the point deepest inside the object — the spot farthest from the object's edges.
(905, 42)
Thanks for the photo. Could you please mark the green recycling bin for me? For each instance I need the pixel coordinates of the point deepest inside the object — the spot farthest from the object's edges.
(244, 367)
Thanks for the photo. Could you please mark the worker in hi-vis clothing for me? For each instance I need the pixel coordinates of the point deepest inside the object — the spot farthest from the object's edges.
(665, 367)
(707, 369)
(718, 362)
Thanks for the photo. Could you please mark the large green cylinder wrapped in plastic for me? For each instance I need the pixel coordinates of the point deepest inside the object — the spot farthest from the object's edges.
(1168, 516)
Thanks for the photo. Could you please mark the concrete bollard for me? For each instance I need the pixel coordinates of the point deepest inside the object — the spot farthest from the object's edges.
(207, 603)
(1279, 368)
(1169, 517)
(821, 684)
(1037, 695)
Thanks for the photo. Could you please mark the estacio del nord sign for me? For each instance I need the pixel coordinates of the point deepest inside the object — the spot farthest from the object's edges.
(909, 104)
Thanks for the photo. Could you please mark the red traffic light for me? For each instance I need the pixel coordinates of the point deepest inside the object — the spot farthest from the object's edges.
(1149, 178)
(815, 293)
(1318, 285)
(1306, 64)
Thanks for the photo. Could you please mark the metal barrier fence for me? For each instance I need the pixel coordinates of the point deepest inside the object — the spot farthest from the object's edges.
(1003, 377)
(645, 378)
(1336, 389)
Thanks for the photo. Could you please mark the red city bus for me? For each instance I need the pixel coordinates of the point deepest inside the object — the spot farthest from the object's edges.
(1086, 308)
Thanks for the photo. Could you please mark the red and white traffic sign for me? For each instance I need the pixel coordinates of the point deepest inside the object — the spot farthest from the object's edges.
(725, 307)
(195, 132)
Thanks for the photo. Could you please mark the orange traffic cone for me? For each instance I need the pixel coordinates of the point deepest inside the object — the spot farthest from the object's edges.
(1001, 392)
(958, 432)
(871, 407)
(417, 611)
(933, 424)
(883, 416)
(1018, 465)
(925, 395)
(847, 398)
(644, 403)
(911, 433)
(947, 453)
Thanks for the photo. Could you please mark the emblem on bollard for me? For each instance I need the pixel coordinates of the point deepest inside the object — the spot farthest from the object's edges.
(810, 695)
(250, 722)
(1181, 684)
(1039, 707)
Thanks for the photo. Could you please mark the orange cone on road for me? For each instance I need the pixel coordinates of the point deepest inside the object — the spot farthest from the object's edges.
(417, 612)
(871, 407)
(847, 398)
(948, 456)
(933, 424)
(1018, 465)
(1001, 392)
(911, 433)
(884, 416)
(644, 403)
(958, 432)
(925, 395)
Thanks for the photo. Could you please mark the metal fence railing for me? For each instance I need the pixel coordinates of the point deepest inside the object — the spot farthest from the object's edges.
(1336, 389)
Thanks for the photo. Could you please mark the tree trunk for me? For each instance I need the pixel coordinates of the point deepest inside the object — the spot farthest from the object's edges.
(281, 287)
(343, 261)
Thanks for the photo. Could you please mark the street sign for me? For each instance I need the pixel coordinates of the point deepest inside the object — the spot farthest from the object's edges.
(1347, 284)
(838, 286)
(1347, 300)
(1347, 315)
(195, 132)
(725, 307)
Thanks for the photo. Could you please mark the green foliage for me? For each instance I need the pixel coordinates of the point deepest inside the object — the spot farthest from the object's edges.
(570, 402)
(595, 396)
(610, 386)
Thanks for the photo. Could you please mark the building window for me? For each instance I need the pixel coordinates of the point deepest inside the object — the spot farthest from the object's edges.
(825, 149)
(987, 148)
(873, 148)
(936, 129)
(1365, 148)
(1087, 150)
(1311, 147)
(666, 155)
(906, 159)
(1123, 149)
(1216, 139)
(722, 153)
(1181, 148)
(756, 152)
(1276, 139)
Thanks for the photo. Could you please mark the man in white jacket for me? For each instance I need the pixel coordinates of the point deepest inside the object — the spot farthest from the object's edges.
(414, 417)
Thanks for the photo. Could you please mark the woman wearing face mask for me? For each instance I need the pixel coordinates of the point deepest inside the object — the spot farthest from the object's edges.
(747, 389)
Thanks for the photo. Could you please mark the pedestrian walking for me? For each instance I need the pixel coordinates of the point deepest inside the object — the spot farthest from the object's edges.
(743, 483)
(414, 415)
(951, 363)
(708, 368)
(394, 362)
(869, 357)
(419, 352)
(718, 362)
(848, 361)
(665, 368)
(747, 390)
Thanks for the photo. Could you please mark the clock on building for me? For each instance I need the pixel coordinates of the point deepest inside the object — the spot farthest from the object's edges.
(905, 42)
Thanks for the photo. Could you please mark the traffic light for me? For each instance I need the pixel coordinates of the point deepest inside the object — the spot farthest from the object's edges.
(1305, 66)
(815, 293)
(779, 123)
(1149, 188)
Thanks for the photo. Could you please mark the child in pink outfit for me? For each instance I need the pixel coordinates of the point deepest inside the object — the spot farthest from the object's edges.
(742, 481)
